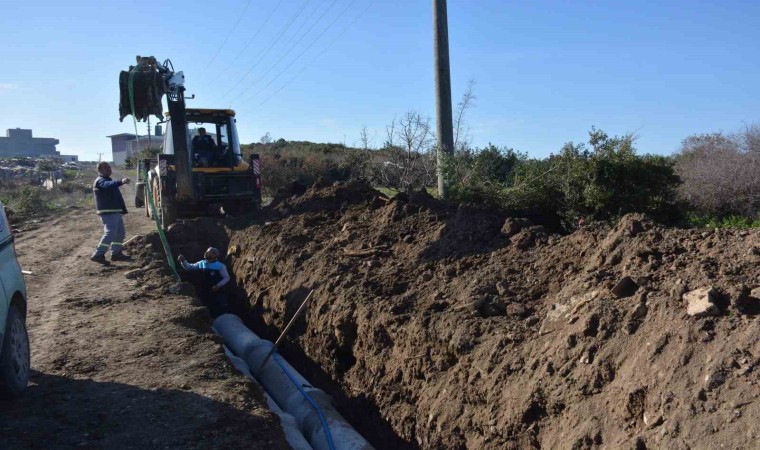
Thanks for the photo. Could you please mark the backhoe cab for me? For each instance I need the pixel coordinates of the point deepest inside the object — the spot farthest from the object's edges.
(200, 168)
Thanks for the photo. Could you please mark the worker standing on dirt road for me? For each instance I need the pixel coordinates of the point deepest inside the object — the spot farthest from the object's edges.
(215, 276)
(110, 207)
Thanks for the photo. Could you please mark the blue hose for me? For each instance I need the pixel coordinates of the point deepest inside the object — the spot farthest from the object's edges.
(322, 419)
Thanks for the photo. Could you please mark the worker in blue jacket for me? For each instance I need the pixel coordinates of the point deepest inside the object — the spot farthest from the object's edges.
(214, 277)
(204, 149)
(111, 208)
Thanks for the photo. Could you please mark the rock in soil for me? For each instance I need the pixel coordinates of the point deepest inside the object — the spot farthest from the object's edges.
(702, 302)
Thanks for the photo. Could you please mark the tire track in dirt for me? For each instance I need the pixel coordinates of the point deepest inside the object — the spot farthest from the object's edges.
(57, 254)
(119, 363)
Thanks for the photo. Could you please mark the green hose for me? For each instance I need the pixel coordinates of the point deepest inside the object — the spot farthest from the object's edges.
(149, 189)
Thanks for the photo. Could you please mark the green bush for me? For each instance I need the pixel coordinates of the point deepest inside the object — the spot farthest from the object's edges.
(147, 153)
(31, 200)
(28, 200)
(599, 180)
(482, 175)
(732, 221)
(285, 161)
(602, 182)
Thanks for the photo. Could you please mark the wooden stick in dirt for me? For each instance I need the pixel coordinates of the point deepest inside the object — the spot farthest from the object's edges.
(260, 295)
(365, 252)
(287, 327)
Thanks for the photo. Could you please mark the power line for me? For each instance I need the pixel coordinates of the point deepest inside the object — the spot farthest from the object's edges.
(290, 22)
(304, 51)
(250, 41)
(285, 55)
(338, 36)
(308, 19)
(237, 22)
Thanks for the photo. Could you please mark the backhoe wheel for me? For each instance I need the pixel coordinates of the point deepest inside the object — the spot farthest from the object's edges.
(168, 216)
(154, 187)
(166, 212)
(139, 194)
(14, 355)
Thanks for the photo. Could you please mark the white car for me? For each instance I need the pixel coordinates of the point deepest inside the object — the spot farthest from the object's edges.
(14, 351)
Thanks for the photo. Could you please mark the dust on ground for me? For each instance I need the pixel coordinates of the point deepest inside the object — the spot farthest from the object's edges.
(120, 362)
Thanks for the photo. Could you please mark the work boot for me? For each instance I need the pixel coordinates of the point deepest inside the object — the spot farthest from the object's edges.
(121, 256)
(98, 258)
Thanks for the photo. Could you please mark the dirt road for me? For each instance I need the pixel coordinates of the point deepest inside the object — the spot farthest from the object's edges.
(118, 364)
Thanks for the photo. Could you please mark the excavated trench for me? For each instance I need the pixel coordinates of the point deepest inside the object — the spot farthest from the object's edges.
(192, 238)
(448, 327)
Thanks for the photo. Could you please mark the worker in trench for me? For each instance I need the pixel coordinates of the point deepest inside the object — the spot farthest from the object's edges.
(214, 278)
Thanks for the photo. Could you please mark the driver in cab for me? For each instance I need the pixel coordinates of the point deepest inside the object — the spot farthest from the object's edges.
(204, 148)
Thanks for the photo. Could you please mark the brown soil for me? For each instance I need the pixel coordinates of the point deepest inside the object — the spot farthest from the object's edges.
(122, 363)
(439, 327)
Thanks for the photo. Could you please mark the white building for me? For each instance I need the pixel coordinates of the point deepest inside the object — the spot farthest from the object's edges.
(124, 145)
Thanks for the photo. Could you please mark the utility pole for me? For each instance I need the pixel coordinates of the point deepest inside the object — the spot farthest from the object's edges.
(100, 155)
(443, 120)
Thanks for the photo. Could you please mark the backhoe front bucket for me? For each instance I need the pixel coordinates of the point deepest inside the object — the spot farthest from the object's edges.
(147, 90)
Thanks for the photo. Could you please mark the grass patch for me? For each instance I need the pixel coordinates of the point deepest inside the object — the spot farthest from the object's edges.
(26, 201)
(723, 222)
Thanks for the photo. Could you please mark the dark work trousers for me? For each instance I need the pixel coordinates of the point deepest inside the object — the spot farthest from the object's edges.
(113, 233)
(217, 303)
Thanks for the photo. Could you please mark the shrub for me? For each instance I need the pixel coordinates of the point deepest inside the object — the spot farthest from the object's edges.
(721, 173)
(724, 222)
(407, 160)
(285, 161)
(481, 175)
(147, 153)
(602, 182)
(31, 200)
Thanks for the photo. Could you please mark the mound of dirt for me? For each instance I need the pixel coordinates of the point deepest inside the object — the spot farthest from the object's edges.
(460, 328)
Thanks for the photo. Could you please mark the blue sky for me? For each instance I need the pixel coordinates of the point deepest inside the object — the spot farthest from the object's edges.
(546, 71)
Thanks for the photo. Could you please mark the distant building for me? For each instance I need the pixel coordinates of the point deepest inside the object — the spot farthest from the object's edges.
(124, 145)
(19, 142)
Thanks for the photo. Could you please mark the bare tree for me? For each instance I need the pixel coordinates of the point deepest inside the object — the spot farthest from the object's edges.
(721, 173)
(364, 140)
(408, 154)
(462, 138)
(358, 160)
(414, 133)
(416, 136)
(265, 139)
(390, 134)
(750, 139)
